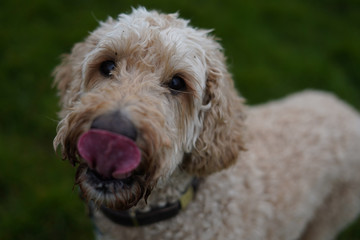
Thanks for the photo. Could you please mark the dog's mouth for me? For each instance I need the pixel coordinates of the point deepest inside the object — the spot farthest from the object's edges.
(104, 186)
(109, 154)
(111, 174)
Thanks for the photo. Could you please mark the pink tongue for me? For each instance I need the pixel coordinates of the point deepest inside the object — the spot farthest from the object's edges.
(110, 154)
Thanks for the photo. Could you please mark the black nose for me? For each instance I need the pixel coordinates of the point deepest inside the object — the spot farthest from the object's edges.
(116, 122)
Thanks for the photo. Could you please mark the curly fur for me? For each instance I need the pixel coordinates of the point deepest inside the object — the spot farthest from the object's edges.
(294, 171)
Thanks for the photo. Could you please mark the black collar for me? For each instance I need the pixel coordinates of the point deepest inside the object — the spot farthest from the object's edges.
(135, 218)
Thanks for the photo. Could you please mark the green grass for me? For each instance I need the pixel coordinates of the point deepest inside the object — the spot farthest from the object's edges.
(273, 48)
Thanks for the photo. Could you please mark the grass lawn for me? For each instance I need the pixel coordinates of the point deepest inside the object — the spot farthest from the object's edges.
(274, 48)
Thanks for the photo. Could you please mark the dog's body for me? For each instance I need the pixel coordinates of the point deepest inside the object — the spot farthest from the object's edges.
(297, 180)
(294, 167)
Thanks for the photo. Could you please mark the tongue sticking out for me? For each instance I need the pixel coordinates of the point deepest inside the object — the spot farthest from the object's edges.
(109, 154)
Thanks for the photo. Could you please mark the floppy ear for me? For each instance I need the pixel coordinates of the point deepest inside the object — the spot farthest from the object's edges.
(68, 74)
(63, 76)
(221, 139)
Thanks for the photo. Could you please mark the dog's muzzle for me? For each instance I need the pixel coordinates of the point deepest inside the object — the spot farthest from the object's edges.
(109, 147)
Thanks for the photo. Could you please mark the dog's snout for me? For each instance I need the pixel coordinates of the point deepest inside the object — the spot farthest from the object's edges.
(115, 122)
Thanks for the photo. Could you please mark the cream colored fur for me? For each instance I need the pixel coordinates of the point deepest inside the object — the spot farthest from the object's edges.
(292, 166)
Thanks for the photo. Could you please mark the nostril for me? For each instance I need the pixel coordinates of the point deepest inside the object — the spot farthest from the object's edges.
(116, 122)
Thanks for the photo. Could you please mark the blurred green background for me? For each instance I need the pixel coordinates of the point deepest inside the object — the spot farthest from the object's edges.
(274, 48)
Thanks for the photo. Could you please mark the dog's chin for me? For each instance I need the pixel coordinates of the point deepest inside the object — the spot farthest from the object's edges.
(120, 194)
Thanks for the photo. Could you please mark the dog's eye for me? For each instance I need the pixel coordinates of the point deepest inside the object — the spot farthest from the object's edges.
(177, 84)
(107, 67)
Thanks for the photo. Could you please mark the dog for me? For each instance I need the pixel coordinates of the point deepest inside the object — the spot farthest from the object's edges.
(167, 149)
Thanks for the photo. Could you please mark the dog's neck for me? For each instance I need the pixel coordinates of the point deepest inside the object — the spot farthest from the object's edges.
(165, 202)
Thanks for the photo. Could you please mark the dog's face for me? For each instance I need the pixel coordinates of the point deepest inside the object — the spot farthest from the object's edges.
(142, 96)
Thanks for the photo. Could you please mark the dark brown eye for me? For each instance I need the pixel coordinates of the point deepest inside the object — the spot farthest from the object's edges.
(177, 84)
(107, 67)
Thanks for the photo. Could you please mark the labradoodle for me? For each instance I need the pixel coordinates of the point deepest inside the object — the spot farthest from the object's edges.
(166, 149)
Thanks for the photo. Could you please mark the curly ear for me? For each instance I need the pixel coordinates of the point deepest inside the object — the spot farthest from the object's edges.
(221, 140)
(68, 74)
(63, 76)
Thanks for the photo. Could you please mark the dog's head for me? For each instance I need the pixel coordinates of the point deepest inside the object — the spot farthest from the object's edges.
(142, 96)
